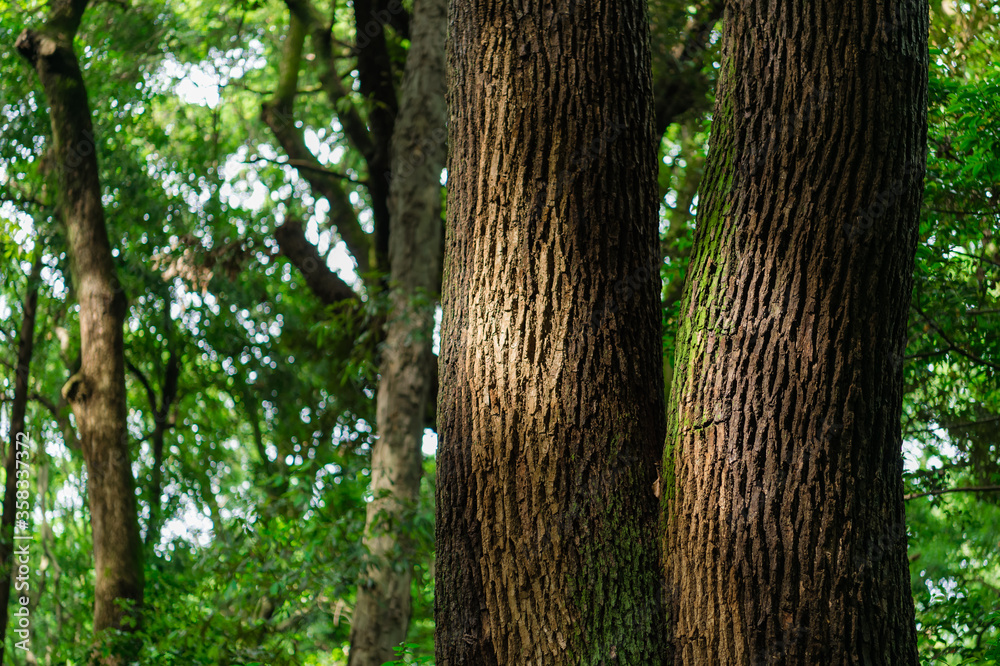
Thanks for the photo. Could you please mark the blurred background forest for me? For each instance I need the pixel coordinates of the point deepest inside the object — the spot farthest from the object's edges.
(251, 400)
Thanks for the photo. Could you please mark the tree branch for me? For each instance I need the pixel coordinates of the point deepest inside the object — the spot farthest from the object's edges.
(324, 283)
(304, 164)
(970, 489)
(22, 200)
(278, 114)
(322, 41)
(150, 393)
(375, 77)
(69, 436)
(676, 90)
(947, 426)
(951, 344)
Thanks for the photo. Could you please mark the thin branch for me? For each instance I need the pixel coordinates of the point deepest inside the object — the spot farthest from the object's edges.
(303, 164)
(982, 258)
(69, 436)
(970, 489)
(326, 285)
(270, 93)
(945, 211)
(22, 197)
(278, 114)
(954, 347)
(150, 393)
(22, 200)
(929, 354)
(46, 403)
(966, 424)
(322, 40)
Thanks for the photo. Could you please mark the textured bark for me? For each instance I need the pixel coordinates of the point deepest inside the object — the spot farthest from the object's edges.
(382, 612)
(25, 347)
(785, 532)
(97, 392)
(551, 408)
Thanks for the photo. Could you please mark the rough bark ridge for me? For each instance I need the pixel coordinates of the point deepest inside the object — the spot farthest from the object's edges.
(785, 533)
(97, 392)
(382, 613)
(550, 413)
(25, 347)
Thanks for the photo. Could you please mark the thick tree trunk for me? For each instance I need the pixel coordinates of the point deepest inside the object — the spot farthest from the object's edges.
(97, 392)
(25, 346)
(785, 532)
(551, 409)
(382, 612)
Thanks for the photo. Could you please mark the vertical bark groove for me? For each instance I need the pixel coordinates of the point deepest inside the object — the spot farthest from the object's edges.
(785, 533)
(550, 411)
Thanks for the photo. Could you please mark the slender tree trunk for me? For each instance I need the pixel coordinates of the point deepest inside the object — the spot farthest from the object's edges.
(156, 485)
(43, 466)
(25, 346)
(785, 532)
(551, 395)
(382, 612)
(375, 79)
(161, 424)
(97, 392)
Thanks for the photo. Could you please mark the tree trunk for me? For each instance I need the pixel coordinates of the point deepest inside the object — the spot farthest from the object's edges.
(785, 532)
(97, 392)
(160, 409)
(382, 612)
(25, 346)
(551, 394)
(375, 80)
